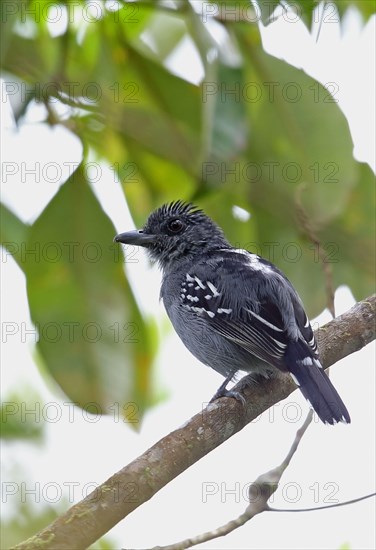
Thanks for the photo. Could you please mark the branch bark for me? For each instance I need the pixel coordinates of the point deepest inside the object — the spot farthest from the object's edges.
(94, 516)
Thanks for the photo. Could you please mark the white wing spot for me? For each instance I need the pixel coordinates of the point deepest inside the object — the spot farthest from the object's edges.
(279, 344)
(213, 289)
(189, 278)
(200, 283)
(295, 379)
(307, 361)
(264, 321)
(199, 310)
(208, 297)
(224, 310)
(192, 298)
(254, 260)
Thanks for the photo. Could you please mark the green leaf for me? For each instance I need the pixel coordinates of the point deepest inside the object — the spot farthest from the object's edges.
(165, 31)
(300, 152)
(353, 237)
(9, 14)
(176, 97)
(366, 7)
(155, 134)
(267, 9)
(92, 337)
(228, 128)
(304, 9)
(13, 234)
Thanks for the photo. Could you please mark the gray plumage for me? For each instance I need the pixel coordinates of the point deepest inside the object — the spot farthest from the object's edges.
(232, 309)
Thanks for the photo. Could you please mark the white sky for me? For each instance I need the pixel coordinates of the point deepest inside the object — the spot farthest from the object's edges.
(335, 462)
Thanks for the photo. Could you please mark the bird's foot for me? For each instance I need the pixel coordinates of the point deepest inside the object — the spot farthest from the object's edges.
(223, 392)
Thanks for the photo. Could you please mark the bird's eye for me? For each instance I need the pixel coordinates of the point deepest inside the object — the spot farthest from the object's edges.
(175, 226)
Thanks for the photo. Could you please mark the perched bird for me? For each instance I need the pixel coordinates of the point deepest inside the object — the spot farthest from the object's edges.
(233, 309)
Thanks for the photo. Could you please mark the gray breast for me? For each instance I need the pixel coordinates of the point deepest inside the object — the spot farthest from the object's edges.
(207, 346)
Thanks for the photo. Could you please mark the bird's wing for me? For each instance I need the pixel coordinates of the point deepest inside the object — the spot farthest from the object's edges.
(250, 302)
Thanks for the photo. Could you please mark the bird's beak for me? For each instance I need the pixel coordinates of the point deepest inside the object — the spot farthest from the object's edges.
(137, 237)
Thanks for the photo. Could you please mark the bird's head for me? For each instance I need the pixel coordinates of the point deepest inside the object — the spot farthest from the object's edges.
(174, 231)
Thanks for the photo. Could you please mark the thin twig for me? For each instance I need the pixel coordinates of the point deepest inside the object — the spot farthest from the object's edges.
(209, 535)
(320, 22)
(296, 442)
(352, 501)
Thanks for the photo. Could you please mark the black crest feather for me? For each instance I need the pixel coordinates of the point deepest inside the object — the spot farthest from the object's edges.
(179, 208)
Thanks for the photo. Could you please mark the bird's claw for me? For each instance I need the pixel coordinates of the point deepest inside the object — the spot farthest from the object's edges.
(223, 392)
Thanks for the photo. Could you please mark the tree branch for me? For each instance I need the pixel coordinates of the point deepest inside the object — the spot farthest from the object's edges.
(94, 516)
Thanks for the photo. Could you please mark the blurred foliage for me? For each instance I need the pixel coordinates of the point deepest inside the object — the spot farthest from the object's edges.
(253, 132)
(26, 522)
(21, 419)
(29, 519)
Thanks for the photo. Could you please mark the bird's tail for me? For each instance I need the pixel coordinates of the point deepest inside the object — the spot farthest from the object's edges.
(315, 385)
